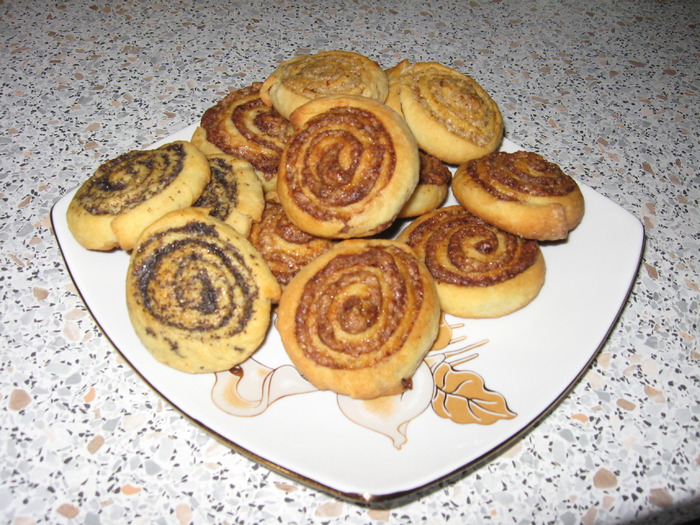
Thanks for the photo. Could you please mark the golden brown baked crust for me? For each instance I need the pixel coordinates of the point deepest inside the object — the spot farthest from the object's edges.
(285, 247)
(301, 79)
(243, 126)
(521, 193)
(359, 319)
(433, 186)
(348, 169)
(451, 115)
(199, 139)
(234, 193)
(393, 75)
(127, 193)
(198, 294)
(479, 270)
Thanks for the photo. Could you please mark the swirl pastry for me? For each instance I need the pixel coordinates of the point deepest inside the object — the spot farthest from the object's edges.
(521, 193)
(243, 126)
(198, 294)
(479, 270)
(433, 184)
(349, 167)
(234, 193)
(285, 247)
(393, 75)
(127, 193)
(359, 319)
(199, 139)
(450, 114)
(301, 79)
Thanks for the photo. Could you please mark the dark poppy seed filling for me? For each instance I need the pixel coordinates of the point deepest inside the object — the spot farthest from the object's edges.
(194, 281)
(126, 181)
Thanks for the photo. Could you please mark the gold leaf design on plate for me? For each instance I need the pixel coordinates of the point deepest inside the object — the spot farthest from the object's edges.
(462, 396)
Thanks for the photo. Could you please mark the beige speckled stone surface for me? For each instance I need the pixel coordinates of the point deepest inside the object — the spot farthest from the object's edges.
(608, 89)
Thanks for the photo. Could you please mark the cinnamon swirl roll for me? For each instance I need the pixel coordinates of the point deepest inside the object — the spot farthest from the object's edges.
(243, 126)
(359, 319)
(451, 115)
(127, 193)
(301, 79)
(433, 185)
(234, 193)
(521, 193)
(480, 271)
(349, 168)
(198, 294)
(285, 247)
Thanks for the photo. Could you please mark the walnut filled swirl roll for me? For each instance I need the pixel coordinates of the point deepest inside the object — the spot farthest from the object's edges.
(480, 271)
(349, 168)
(285, 248)
(127, 193)
(198, 294)
(359, 319)
(521, 193)
(451, 115)
(301, 79)
(243, 126)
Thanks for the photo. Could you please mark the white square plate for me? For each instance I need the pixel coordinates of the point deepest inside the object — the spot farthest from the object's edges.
(528, 361)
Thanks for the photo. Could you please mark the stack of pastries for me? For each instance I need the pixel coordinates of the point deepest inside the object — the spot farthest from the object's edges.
(288, 199)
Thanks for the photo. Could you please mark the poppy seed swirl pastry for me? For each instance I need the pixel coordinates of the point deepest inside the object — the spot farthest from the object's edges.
(242, 125)
(234, 193)
(348, 169)
(359, 319)
(127, 193)
(521, 193)
(301, 79)
(480, 271)
(452, 117)
(198, 294)
(285, 247)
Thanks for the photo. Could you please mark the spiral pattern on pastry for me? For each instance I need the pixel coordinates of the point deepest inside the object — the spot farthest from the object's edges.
(480, 270)
(234, 193)
(285, 247)
(348, 169)
(521, 193)
(129, 179)
(301, 79)
(241, 124)
(128, 192)
(198, 294)
(452, 116)
(359, 319)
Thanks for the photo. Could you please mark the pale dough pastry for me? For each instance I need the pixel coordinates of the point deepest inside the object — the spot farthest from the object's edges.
(301, 79)
(242, 125)
(521, 193)
(349, 168)
(285, 247)
(359, 319)
(129, 192)
(452, 117)
(234, 193)
(431, 191)
(480, 271)
(199, 296)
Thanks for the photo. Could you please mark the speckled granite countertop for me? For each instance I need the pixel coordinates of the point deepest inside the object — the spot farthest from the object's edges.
(609, 89)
